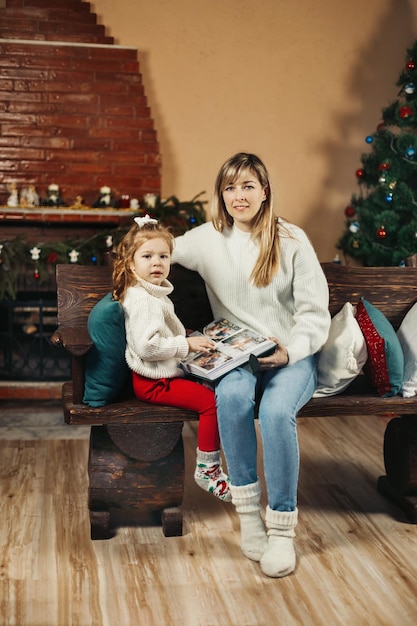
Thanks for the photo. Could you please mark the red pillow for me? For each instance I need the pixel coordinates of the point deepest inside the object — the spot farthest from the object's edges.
(385, 363)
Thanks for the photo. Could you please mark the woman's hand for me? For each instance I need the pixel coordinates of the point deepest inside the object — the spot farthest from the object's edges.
(200, 344)
(279, 358)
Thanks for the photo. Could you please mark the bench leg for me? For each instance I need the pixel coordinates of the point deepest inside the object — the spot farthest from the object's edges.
(124, 491)
(400, 456)
(100, 525)
(172, 522)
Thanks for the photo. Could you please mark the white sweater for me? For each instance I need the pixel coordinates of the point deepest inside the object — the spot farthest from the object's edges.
(293, 307)
(155, 336)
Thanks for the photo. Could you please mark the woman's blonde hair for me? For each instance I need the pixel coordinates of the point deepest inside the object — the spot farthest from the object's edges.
(123, 276)
(266, 225)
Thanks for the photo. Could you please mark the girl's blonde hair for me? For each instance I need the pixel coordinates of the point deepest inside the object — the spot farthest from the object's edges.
(123, 276)
(266, 226)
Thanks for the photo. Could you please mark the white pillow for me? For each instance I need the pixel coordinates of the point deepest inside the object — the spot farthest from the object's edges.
(343, 355)
(407, 336)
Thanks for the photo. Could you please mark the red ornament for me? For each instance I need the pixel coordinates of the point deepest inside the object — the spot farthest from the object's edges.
(350, 211)
(381, 232)
(36, 274)
(410, 65)
(52, 257)
(360, 173)
(384, 166)
(380, 126)
(406, 112)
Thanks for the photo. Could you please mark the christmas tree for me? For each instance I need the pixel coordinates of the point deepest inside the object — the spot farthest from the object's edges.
(381, 220)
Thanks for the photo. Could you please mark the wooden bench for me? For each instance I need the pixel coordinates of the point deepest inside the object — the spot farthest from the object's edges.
(136, 457)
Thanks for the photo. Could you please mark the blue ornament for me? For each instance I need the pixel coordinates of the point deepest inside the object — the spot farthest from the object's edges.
(369, 139)
(388, 197)
(94, 258)
(410, 153)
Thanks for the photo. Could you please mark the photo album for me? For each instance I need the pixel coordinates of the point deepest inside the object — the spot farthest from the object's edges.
(234, 346)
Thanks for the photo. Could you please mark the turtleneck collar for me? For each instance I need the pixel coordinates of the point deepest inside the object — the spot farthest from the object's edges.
(159, 291)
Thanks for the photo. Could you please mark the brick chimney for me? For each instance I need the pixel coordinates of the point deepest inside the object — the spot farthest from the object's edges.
(73, 109)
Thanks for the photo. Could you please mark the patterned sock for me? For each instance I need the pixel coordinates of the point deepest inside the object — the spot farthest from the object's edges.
(209, 475)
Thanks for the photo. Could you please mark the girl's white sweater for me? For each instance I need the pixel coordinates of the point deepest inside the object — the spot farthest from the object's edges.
(155, 336)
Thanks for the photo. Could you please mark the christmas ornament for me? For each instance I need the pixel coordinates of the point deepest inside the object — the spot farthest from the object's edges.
(35, 253)
(410, 152)
(73, 256)
(409, 88)
(354, 227)
(381, 232)
(360, 173)
(406, 112)
(369, 139)
(355, 243)
(382, 178)
(410, 65)
(389, 197)
(384, 166)
(350, 211)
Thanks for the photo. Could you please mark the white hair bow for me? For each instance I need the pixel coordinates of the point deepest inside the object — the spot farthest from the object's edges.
(142, 221)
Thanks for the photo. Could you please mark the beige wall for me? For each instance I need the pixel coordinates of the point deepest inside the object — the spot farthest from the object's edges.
(300, 82)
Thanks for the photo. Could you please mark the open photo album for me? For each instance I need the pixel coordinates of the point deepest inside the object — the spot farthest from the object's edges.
(234, 346)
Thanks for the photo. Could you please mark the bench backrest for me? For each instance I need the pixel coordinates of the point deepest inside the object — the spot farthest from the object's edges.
(392, 289)
(80, 287)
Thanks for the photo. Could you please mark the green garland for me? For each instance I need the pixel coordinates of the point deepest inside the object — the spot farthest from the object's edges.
(18, 256)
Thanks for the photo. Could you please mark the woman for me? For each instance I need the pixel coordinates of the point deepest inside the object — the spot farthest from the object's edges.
(261, 272)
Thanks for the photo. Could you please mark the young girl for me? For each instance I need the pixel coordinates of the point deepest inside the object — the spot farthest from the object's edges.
(157, 342)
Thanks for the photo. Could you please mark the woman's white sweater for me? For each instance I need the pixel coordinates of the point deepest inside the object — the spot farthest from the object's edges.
(155, 336)
(293, 307)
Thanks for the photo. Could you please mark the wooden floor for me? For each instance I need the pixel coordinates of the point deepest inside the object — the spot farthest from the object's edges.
(357, 556)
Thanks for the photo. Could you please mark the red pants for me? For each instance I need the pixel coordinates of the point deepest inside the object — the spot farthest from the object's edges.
(185, 394)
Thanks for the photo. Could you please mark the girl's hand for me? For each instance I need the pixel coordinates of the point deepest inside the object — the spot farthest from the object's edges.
(200, 344)
(279, 358)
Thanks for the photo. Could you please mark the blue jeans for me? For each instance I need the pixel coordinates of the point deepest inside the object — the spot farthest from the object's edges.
(280, 392)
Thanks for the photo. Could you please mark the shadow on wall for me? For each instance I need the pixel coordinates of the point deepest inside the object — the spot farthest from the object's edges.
(371, 87)
(167, 156)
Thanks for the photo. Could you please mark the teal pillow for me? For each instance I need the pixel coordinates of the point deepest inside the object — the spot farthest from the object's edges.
(106, 370)
(385, 355)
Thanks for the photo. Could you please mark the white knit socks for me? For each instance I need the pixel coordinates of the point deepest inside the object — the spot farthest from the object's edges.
(279, 557)
(209, 475)
(253, 540)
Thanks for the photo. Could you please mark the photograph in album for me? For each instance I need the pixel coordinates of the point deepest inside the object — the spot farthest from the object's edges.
(234, 346)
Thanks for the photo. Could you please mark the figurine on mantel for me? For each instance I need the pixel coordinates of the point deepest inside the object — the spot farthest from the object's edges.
(105, 199)
(29, 197)
(53, 198)
(78, 204)
(13, 199)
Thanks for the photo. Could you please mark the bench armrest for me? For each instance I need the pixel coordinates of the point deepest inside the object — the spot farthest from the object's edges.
(75, 339)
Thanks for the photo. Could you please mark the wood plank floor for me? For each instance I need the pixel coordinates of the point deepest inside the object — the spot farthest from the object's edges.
(357, 556)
